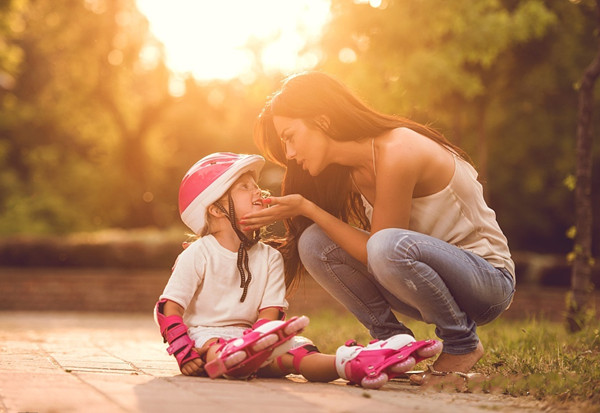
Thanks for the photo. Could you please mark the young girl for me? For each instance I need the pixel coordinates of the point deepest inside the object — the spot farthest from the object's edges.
(222, 311)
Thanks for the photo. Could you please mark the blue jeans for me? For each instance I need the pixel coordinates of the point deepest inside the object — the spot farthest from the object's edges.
(416, 275)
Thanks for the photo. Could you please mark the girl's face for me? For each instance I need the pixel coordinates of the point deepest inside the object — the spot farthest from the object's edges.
(304, 144)
(246, 195)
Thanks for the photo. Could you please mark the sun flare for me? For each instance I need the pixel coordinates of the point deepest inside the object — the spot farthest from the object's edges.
(212, 39)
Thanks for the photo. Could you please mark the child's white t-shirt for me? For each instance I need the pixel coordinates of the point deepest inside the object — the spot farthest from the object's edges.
(206, 283)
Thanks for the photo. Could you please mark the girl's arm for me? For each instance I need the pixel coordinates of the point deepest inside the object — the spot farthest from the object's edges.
(172, 308)
(270, 313)
(194, 367)
(273, 301)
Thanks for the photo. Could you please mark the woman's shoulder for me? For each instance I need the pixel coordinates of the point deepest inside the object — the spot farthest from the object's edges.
(404, 145)
(403, 136)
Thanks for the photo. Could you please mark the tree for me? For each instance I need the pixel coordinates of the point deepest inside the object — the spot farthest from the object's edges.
(82, 105)
(495, 76)
(90, 135)
(581, 285)
(433, 60)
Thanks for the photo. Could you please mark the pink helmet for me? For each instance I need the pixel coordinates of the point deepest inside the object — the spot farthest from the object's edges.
(208, 180)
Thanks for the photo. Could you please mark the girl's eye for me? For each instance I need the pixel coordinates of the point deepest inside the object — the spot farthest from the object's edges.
(249, 187)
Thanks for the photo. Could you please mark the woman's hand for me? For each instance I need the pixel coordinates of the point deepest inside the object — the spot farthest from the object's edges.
(278, 208)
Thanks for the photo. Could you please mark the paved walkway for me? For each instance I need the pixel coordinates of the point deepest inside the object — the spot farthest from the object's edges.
(68, 362)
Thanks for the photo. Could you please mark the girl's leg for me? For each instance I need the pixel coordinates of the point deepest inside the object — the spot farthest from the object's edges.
(348, 281)
(451, 288)
(314, 367)
(239, 357)
(370, 366)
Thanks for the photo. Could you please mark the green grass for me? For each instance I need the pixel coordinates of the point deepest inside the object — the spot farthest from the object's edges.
(532, 357)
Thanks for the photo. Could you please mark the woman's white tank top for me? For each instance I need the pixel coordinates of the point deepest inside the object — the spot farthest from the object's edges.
(459, 215)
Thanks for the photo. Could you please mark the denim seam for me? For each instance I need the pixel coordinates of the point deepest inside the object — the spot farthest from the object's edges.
(475, 263)
(343, 286)
(502, 305)
(415, 271)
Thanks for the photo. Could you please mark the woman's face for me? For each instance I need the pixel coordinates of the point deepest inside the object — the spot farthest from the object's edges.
(302, 143)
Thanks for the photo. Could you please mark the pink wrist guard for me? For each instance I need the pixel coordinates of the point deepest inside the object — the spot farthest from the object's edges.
(175, 332)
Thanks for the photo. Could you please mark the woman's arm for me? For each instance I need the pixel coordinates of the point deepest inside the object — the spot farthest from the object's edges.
(403, 159)
(399, 164)
(349, 238)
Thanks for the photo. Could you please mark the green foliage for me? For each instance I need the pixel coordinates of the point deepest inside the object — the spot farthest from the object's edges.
(423, 53)
(532, 357)
(543, 360)
(91, 138)
(496, 77)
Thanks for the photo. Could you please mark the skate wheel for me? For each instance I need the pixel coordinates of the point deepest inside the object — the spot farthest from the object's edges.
(430, 350)
(234, 359)
(297, 325)
(374, 383)
(265, 342)
(404, 366)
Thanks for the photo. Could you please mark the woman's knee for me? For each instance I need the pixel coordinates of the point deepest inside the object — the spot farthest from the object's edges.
(390, 244)
(311, 244)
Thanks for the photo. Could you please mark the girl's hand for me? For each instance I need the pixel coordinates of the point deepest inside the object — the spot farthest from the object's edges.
(195, 367)
(278, 208)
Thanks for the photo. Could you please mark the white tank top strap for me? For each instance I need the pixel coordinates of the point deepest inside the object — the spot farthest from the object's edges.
(373, 156)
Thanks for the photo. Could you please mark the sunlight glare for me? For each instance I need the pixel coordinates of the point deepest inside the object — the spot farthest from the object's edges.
(210, 39)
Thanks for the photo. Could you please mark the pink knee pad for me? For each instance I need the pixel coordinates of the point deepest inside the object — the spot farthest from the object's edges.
(241, 357)
(298, 354)
(372, 366)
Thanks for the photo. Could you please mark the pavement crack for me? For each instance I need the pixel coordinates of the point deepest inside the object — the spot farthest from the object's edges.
(136, 369)
(73, 372)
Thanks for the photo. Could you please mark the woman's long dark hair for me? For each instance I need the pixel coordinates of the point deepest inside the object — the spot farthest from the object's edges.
(308, 96)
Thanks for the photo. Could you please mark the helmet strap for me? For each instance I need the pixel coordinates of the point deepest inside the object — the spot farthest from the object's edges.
(245, 244)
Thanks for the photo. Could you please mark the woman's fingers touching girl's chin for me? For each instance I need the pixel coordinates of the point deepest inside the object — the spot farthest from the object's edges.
(256, 220)
(279, 208)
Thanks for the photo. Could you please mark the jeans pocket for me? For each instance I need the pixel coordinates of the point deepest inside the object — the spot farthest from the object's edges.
(493, 311)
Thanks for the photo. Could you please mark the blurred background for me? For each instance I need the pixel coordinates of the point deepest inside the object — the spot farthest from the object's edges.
(104, 104)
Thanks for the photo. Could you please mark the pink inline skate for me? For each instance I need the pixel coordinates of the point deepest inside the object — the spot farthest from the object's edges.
(241, 357)
(372, 366)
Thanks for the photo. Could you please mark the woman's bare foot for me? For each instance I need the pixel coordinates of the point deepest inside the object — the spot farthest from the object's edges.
(459, 362)
(449, 363)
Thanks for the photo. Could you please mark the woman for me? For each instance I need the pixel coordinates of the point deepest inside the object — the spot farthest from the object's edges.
(385, 214)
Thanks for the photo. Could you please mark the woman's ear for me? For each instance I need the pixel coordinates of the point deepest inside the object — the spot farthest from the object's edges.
(323, 122)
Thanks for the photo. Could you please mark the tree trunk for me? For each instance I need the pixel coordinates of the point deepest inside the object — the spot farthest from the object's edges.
(482, 147)
(581, 285)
